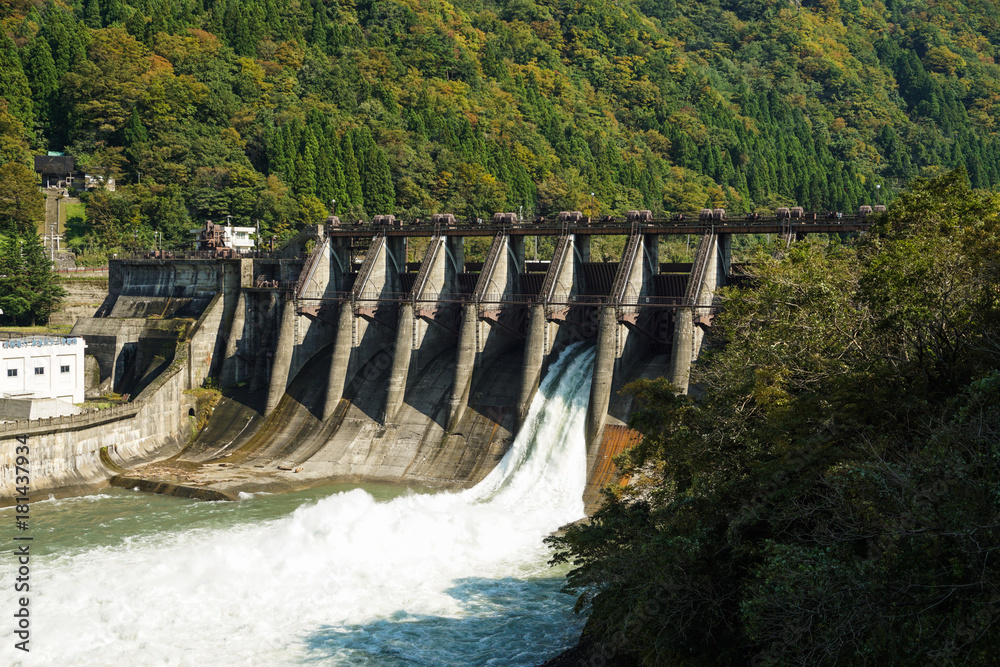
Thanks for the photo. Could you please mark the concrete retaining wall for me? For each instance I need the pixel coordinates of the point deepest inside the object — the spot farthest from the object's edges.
(83, 297)
(65, 453)
(82, 451)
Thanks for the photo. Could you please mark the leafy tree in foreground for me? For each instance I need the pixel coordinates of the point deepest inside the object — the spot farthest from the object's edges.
(832, 498)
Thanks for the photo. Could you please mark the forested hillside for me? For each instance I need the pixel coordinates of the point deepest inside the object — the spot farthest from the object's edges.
(271, 109)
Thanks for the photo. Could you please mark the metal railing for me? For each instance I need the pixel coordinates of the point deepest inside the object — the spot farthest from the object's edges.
(151, 255)
(365, 272)
(307, 269)
(619, 225)
(87, 418)
(76, 270)
(284, 285)
(698, 268)
(625, 267)
(555, 268)
(425, 267)
(12, 335)
(372, 297)
(489, 266)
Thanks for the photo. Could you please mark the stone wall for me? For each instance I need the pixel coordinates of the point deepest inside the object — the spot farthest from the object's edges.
(83, 297)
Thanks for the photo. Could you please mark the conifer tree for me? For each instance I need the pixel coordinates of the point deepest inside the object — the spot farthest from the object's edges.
(376, 183)
(29, 290)
(15, 292)
(305, 166)
(92, 13)
(116, 12)
(272, 19)
(324, 168)
(14, 86)
(352, 176)
(40, 69)
(331, 146)
(134, 136)
(243, 30)
(42, 281)
(61, 32)
(161, 21)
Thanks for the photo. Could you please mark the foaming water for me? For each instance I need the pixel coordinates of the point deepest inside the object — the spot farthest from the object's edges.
(421, 579)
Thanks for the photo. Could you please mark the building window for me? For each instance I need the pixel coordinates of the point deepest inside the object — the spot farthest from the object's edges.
(64, 369)
(12, 372)
(39, 370)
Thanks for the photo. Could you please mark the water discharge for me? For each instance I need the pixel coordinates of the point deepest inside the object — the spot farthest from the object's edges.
(421, 579)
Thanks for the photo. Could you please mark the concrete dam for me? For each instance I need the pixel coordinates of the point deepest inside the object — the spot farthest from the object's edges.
(341, 361)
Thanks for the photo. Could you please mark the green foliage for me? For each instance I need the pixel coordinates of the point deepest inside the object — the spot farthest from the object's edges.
(40, 69)
(22, 206)
(832, 499)
(14, 86)
(474, 108)
(29, 290)
(13, 145)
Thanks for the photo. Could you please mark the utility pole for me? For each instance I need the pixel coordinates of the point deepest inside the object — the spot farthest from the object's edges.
(53, 228)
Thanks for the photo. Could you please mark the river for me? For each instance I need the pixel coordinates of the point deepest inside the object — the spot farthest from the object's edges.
(335, 576)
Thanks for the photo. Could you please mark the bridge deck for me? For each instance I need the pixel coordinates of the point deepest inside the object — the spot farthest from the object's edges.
(510, 300)
(730, 226)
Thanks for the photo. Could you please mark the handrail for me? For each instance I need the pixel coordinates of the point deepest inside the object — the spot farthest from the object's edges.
(305, 276)
(167, 255)
(555, 268)
(374, 297)
(625, 267)
(86, 418)
(364, 273)
(698, 268)
(83, 269)
(565, 227)
(284, 285)
(423, 275)
(489, 267)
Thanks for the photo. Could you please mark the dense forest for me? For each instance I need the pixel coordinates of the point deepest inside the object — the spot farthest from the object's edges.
(833, 497)
(272, 110)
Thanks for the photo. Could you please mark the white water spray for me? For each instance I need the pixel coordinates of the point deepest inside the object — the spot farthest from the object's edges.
(345, 581)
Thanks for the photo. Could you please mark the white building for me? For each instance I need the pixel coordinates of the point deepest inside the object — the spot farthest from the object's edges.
(91, 181)
(239, 239)
(37, 369)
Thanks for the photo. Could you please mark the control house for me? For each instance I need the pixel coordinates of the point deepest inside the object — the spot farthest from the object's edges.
(34, 368)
